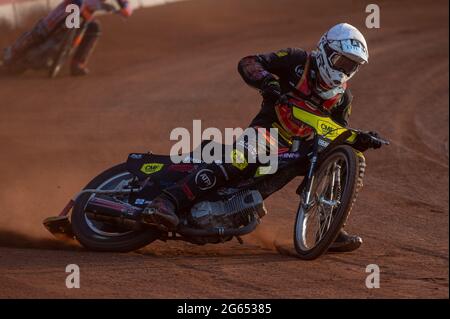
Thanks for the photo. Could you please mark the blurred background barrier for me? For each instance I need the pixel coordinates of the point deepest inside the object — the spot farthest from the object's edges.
(14, 12)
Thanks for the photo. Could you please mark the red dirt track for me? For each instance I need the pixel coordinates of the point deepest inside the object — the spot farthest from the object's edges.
(168, 65)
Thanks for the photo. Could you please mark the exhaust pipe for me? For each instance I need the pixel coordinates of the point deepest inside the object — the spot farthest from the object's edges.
(107, 210)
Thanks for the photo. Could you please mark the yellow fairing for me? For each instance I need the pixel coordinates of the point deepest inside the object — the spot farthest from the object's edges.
(323, 125)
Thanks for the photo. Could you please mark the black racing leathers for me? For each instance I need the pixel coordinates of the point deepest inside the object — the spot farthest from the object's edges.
(286, 66)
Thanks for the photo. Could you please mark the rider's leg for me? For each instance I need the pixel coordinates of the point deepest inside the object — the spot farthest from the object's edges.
(240, 162)
(199, 183)
(345, 242)
(83, 52)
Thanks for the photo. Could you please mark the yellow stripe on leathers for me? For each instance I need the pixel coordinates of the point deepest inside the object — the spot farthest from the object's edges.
(323, 125)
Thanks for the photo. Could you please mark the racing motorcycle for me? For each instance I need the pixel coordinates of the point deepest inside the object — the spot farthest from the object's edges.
(52, 53)
(107, 215)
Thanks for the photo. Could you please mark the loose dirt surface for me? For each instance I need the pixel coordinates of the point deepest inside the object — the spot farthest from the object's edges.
(168, 65)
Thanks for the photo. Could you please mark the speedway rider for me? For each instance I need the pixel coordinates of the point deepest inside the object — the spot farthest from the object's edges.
(45, 26)
(319, 78)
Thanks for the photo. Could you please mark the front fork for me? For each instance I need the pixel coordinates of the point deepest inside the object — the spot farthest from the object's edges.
(310, 183)
(87, 17)
(310, 176)
(310, 180)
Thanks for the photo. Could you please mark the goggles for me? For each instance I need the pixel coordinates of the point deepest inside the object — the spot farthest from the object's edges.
(341, 62)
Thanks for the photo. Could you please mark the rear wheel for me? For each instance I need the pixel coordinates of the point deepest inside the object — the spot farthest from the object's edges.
(335, 186)
(102, 236)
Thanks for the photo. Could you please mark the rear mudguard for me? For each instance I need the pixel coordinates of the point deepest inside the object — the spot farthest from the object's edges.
(59, 226)
(155, 173)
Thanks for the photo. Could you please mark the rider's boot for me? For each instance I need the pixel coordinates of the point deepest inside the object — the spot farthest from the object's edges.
(345, 242)
(206, 178)
(84, 51)
(78, 69)
(161, 213)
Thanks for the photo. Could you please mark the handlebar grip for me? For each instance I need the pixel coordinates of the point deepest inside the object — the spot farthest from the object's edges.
(379, 139)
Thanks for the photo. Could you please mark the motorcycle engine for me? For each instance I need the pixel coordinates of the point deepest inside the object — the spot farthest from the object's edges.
(237, 210)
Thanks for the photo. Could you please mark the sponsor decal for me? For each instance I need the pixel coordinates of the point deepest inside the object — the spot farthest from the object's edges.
(181, 167)
(238, 159)
(151, 168)
(282, 53)
(289, 155)
(205, 179)
(140, 201)
(327, 129)
(299, 70)
(261, 171)
(323, 143)
(136, 156)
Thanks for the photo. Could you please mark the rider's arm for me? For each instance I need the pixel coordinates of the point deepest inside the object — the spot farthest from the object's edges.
(125, 8)
(342, 111)
(257, 69)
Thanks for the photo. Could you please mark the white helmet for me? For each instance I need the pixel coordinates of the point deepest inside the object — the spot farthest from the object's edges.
(340, 52)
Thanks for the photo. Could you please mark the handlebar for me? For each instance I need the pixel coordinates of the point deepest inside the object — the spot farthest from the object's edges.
(381, 140)
(370, 136)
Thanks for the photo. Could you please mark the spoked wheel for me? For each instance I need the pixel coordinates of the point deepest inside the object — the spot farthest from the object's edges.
(103, 236)
(335, 186)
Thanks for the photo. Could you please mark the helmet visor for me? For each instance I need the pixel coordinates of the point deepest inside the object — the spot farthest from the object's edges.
(341, 62)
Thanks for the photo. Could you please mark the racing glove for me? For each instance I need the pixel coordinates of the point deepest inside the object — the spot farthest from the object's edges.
(367, 140)
(126, 9)
(271, 90)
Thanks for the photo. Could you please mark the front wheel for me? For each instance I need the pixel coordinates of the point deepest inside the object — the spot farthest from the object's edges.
(101, 236)
(335, 186)
(62, 54)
